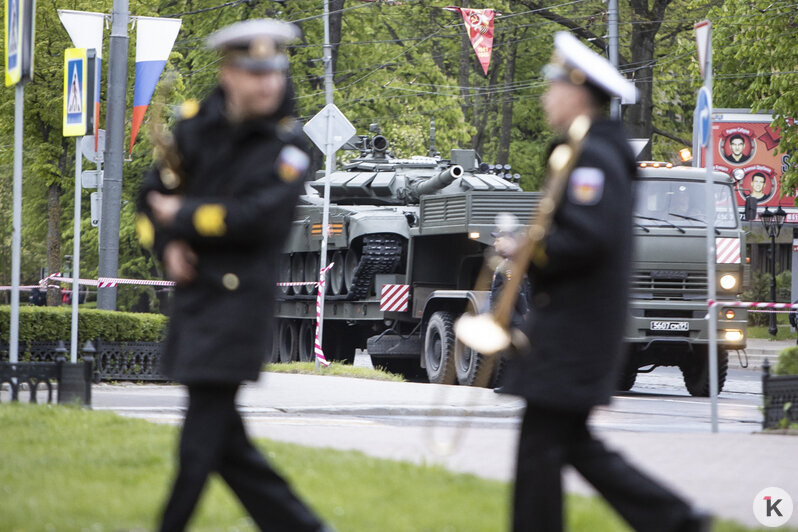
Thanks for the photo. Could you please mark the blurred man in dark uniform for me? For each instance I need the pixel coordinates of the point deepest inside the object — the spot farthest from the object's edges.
(579, 294)
(219, 221)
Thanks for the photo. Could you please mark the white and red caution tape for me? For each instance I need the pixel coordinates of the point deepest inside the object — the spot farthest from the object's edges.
(104, 282)
(320, 293)
(758, 306)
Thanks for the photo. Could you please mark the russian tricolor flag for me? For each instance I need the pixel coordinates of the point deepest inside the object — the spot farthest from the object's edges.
(154, 40)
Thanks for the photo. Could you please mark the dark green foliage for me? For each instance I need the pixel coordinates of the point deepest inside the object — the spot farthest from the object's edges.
(760, 291)
(54, 323)
(788, 362)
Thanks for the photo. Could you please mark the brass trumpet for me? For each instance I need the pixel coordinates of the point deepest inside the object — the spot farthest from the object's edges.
(488, 333)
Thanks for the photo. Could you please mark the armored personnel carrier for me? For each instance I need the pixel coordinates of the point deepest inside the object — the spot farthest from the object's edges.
(407, 239)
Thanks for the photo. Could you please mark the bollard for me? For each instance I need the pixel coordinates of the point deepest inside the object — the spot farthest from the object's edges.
(74, 380)
(765, 379)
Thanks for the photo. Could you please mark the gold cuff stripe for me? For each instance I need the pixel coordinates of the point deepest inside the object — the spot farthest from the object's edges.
(209, 219)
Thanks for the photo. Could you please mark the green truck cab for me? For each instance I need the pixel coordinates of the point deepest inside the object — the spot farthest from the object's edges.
(668, 323)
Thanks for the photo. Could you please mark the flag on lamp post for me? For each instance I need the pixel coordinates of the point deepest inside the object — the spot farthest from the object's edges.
(154, 40)
(479, 24)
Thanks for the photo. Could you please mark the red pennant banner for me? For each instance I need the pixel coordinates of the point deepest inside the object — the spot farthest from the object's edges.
(479, 23)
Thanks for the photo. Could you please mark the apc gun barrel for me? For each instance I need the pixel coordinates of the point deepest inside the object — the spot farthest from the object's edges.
(437, 182)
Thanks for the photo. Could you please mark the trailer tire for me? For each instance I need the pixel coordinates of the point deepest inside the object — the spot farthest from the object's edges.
(273, 354)
(439, 342)
(289, 333)
(627, 378)
(696, 372)
(473, 368)
(307, 341)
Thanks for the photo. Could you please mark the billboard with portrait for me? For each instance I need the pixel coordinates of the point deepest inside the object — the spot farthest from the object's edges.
(745, 147)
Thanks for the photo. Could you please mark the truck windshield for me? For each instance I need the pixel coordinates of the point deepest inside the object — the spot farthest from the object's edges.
(682, 203)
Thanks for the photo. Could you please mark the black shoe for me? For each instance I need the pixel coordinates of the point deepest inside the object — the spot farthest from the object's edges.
(499, 389)
(697, 521)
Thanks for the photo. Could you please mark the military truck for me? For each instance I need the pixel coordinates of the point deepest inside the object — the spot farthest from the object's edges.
(669, 291)
(407, 239)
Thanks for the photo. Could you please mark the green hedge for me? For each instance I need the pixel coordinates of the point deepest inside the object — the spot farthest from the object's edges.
(55, 323)
(788, 362)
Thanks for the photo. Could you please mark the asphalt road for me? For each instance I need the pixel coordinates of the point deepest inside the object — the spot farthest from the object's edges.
(656, 425)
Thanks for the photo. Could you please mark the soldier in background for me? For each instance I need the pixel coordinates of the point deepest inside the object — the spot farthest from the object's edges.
(219, 222)
(580, 296)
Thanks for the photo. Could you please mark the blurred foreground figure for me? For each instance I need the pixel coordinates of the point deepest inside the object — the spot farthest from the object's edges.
(579, 298)
(217, 210)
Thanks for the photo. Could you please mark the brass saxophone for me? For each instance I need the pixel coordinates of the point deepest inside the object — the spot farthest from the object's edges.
(490, 333)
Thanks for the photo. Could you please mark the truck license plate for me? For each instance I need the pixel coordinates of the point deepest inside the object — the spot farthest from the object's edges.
(669, 326)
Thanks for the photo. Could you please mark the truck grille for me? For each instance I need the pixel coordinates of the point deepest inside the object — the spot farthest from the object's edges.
(669, 284)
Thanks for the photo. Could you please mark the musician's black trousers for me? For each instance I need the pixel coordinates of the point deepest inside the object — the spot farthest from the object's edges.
(551, 439)
(213, 440)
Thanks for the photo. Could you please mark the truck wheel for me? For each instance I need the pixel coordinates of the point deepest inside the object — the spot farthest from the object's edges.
(284, 272)
(498, 371)
(696, 372)
(307, 341)
(273, 353)
(627, 378)
(289, 333)
(439, 348)
(473, 368)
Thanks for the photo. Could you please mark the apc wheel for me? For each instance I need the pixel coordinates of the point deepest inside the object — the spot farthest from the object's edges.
(311, 271)
(289, 336)
(439, 348)
(284, 272)
(696, 372)
(473, 368)
(298, 272)
(307, 341)
(335, 277)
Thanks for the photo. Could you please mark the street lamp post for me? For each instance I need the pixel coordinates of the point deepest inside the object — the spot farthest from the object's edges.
(773, 221)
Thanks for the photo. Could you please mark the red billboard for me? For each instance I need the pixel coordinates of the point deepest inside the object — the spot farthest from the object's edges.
(745, 147)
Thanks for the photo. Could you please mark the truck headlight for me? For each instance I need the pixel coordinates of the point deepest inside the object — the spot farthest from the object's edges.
(733, 335)
(728, 281)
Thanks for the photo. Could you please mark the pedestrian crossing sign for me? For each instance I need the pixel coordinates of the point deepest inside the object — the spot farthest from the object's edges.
(75, 111)
(13, 41)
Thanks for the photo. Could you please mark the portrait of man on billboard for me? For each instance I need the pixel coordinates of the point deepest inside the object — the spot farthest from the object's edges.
(760, 186)
(738, 149)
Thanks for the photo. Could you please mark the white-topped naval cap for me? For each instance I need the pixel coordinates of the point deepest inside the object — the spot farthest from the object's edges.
(579, 64)
(255, 45)
(241, 34)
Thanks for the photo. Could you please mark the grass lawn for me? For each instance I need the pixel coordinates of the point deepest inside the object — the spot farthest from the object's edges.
(337, 369)
(64, 469)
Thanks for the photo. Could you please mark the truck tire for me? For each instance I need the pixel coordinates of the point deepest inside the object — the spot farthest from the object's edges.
(696, 372)
(439, 344)
(473, 368)
(273, 354)
(307, 341)
(498, 371)
(289, 333)
(627, 378)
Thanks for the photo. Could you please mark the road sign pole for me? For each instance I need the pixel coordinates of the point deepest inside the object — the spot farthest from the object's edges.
(16, 225)
(73, 347)
(710, 208)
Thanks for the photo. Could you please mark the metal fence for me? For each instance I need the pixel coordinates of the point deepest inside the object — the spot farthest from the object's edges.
(779, 391)
(120, 361)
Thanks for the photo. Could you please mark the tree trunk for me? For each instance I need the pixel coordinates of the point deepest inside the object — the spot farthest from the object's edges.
(53, 239)
(463, 71)
(507, 106)
(487, 102)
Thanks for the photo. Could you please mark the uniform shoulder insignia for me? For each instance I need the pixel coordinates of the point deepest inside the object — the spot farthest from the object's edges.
(292, 163)
(189, 109)
(586, 185)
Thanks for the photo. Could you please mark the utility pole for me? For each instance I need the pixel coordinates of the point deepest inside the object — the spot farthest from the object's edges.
(615, 103)
(114, 152)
